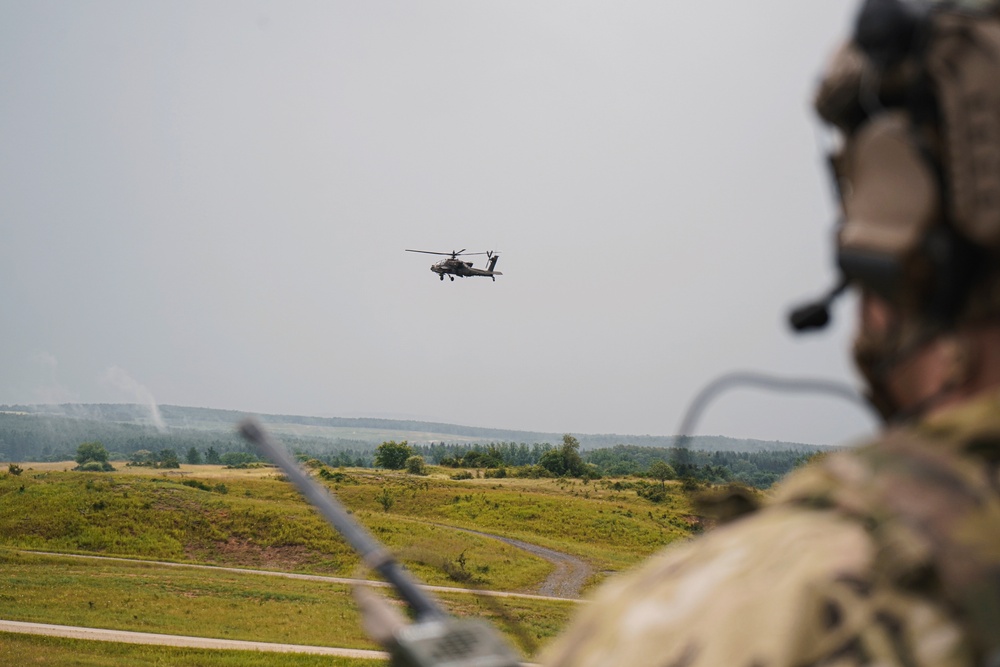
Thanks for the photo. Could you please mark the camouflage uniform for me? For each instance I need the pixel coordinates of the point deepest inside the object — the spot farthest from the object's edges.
(888, 554)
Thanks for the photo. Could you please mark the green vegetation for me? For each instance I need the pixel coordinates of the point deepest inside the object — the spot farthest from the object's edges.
(251, 517)
(415, 465)
(149, 597)
(92, 457)
(53, 651)
(392, 455)
(165, 458)
(430, 504)
(144, 597)
(53, 432)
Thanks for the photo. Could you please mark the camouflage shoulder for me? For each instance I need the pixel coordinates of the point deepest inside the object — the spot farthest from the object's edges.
(786, 585)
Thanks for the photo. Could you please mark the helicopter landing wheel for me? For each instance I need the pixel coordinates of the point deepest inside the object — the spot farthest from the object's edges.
(452, 278)
(441, 276)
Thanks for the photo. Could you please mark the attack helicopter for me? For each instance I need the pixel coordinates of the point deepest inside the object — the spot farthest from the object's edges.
(453, 266)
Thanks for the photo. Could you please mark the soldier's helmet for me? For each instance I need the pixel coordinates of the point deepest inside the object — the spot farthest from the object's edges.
(914, 96)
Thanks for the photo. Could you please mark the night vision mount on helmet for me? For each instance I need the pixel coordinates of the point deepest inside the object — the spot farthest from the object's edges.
(915, 96)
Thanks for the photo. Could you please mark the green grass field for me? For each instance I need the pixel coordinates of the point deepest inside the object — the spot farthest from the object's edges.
(252, 518)
(18, 649)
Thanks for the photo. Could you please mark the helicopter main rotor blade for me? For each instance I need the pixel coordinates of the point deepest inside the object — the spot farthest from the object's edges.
(453, 253)
(429, 252)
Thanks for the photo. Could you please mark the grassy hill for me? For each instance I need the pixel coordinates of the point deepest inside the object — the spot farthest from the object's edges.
(210, 515)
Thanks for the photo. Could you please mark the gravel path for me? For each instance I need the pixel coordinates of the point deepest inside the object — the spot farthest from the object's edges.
(566, 581)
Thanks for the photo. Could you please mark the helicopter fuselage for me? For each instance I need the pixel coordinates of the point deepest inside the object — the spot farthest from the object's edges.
(453, 266)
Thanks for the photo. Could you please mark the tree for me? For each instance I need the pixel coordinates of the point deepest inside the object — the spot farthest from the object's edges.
(193, 456)
(392, 455)
(91, 451)
(212, 456)
(570, 451)
(167, 458)
(92, 456)
(553, 461)
(237, 459)
(662, 471)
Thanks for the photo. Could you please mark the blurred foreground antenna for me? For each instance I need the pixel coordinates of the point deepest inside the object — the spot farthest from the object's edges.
(435, 639)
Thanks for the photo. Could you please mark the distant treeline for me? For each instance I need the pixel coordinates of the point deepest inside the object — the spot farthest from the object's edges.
(37, 435)
(757, 469)
(32, 437)
(181, 417)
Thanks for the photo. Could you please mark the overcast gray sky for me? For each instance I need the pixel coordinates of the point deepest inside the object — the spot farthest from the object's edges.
(207, 203)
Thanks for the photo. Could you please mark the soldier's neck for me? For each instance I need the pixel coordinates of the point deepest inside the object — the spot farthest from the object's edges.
(948, 371)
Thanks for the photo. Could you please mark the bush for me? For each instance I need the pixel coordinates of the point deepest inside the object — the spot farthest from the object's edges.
(194, 483)
(337, 476)
(651, 492)
(531, 472)
(168, 459)
(95, 466)
(142, 457)
(415, 465)
(91, 452)
(386, 499)
(465, 474)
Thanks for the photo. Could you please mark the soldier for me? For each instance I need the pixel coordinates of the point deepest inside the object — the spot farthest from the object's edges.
(887, 554)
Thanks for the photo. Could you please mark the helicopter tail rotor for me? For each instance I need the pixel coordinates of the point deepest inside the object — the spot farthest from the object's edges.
(492, 256)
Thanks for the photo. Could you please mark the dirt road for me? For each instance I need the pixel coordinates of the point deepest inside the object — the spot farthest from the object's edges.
(122, 636)
(566, 581)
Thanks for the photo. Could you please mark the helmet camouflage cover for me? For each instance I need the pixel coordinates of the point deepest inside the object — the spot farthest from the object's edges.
(915, 95)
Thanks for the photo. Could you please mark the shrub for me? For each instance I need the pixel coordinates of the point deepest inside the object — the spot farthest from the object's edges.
(651, 492)
(531, 472)
(91, 452)
(95, 466)
(415, 465)
(168, 459)
(142, 457)
(465, 474)
(386, 499)
(337, 476)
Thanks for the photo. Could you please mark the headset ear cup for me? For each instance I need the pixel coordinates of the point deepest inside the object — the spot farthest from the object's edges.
(891, 199)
